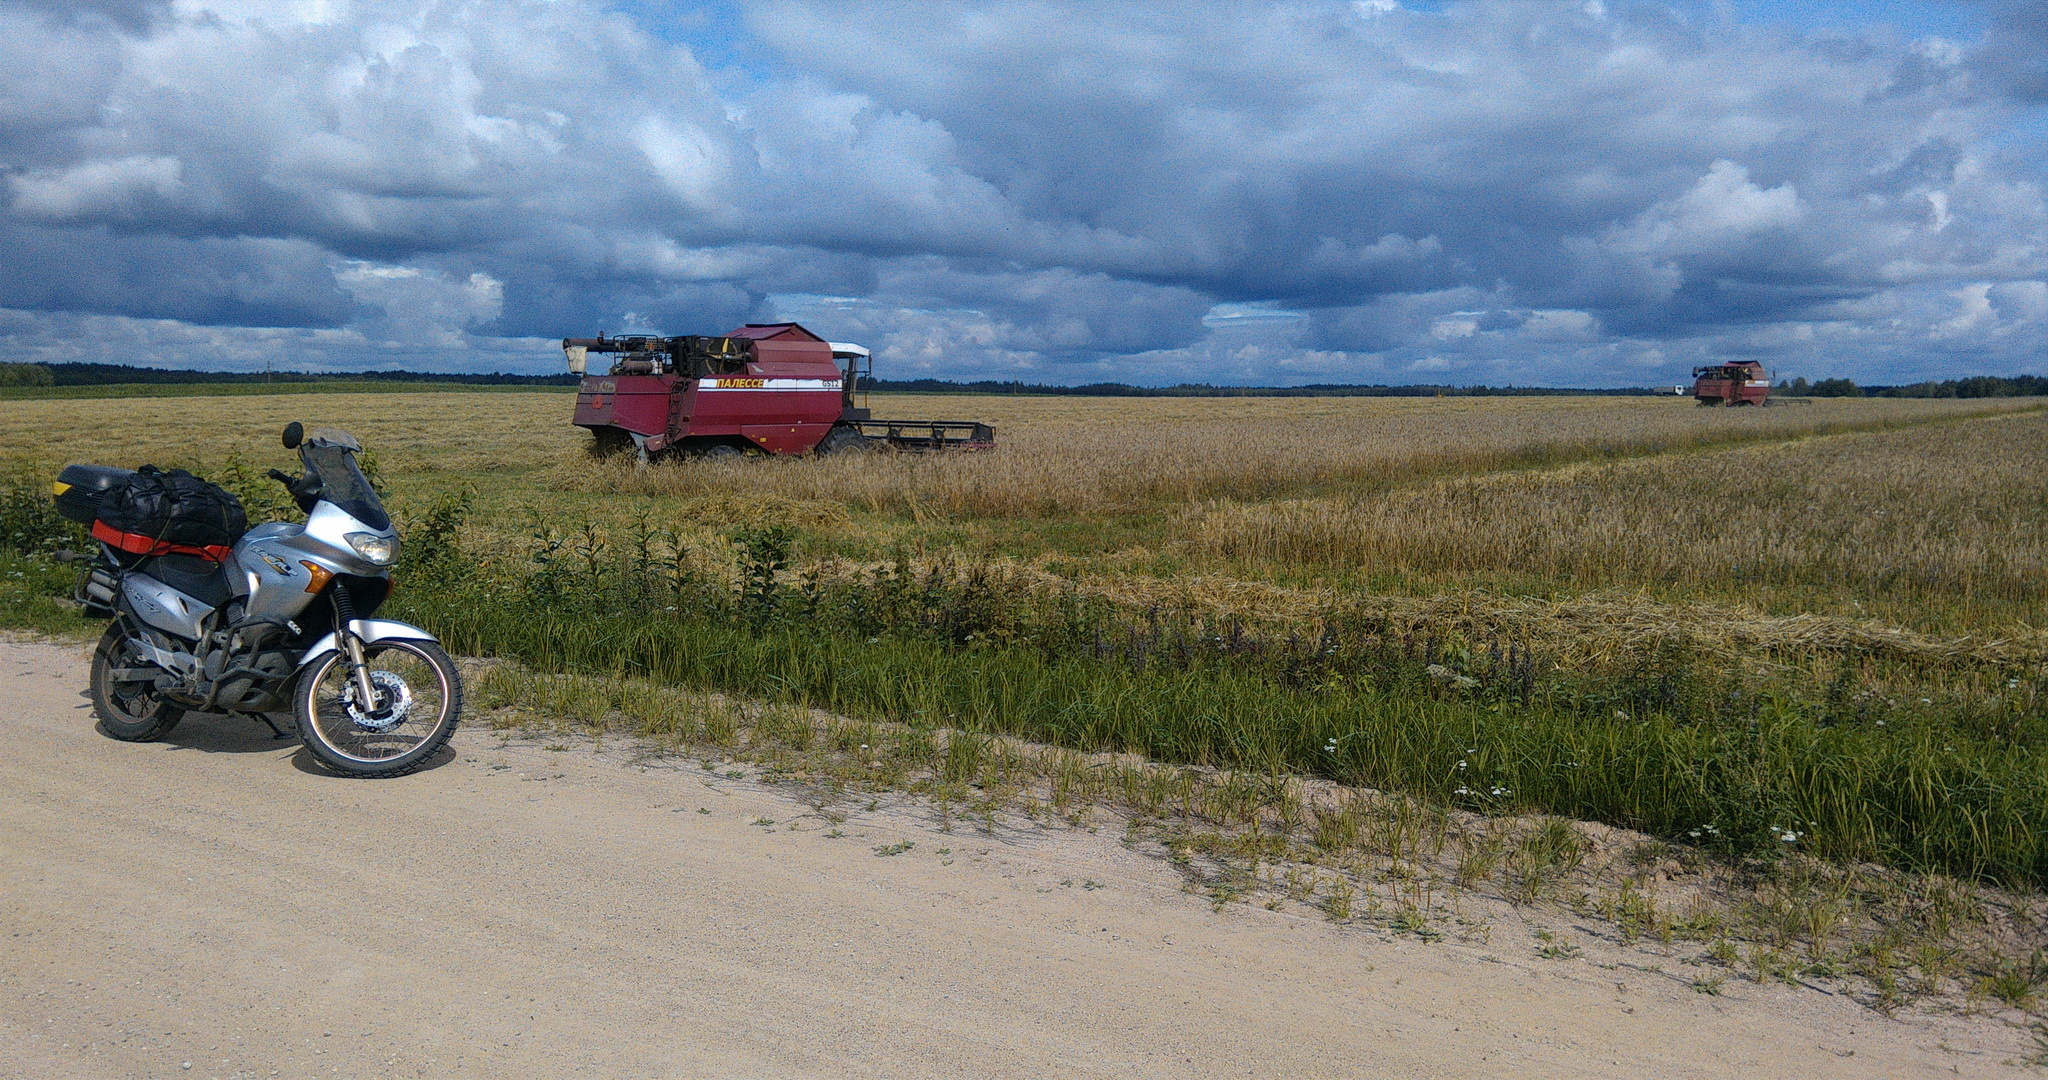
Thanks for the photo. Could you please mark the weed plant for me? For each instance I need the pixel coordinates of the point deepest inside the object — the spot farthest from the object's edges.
(31, 583)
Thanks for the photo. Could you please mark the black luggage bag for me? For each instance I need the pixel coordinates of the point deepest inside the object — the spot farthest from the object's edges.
(158, 512)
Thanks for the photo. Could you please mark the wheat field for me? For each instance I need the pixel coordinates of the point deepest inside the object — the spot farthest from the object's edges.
(1104, 456)
(1930, 526)
(1921, 511)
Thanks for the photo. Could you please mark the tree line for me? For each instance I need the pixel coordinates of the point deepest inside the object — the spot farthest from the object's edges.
(1974, 386)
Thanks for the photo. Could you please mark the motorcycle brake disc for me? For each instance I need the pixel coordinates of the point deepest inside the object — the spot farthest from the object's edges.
(396, 698)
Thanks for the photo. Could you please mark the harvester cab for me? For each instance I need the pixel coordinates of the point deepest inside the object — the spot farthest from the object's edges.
(766, 387)
(857, 369)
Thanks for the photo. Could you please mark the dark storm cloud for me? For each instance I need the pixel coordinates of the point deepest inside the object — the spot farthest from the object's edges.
(209, 282)
(127, 14)
(1590, 192)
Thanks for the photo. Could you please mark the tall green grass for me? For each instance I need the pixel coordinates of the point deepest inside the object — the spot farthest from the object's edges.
(1679, 747)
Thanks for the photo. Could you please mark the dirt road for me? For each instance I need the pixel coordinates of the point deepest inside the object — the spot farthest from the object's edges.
(208, 907)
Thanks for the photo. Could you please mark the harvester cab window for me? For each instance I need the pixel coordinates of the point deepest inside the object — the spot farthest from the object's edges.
(856, 365)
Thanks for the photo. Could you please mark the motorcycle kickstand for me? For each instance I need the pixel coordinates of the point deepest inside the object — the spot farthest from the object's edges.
(275, 731)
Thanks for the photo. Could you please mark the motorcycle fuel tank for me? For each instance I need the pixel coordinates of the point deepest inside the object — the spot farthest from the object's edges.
(273, 560)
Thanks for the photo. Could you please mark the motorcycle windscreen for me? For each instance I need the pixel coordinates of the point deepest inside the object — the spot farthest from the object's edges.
(344, 485)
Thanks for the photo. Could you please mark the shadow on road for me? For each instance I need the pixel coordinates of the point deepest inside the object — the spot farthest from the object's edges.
(217, 734)
(214, 733)
(305, 762)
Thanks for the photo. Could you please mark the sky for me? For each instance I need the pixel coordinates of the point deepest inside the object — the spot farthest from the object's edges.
(1535, 192)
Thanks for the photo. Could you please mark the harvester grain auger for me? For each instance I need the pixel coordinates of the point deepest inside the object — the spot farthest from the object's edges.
(774, 387)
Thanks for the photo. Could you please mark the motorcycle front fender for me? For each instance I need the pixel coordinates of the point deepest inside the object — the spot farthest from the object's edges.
(370, 630)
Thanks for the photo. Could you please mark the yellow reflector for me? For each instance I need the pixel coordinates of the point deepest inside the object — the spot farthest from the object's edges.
(60, 487)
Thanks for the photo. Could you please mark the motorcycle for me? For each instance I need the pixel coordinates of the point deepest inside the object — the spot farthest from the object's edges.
(281, 621)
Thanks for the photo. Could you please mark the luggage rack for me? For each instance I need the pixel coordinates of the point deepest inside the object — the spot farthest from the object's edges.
(929, 434)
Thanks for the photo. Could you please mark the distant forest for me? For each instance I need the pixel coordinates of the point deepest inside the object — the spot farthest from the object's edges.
(942, 386)
(1975, 386)
(123, 375)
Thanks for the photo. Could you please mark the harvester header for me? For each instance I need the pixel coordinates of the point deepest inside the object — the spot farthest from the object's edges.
(773, 387)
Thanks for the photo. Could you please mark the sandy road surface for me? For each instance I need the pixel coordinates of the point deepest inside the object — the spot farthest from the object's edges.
(518, 912)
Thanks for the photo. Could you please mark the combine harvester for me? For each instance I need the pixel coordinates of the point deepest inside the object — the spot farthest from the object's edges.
(1744, 382)
(767, 387)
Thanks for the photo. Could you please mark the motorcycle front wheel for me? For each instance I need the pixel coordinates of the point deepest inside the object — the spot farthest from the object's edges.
(418, 699)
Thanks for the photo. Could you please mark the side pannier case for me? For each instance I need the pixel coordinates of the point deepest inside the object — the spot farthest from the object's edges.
(79, 489)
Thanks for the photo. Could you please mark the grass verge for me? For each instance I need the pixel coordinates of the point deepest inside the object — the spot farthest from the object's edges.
(1386, 862)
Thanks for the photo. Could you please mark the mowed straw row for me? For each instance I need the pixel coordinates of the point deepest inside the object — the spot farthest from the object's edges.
(1937, 526)
(1590, 631)
(1066, 456)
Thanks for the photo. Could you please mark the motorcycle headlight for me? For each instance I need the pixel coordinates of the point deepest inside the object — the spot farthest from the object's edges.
(375, 550)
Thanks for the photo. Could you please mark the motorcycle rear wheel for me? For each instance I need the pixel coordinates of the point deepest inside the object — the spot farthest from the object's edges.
(128, 711)
(418, 703)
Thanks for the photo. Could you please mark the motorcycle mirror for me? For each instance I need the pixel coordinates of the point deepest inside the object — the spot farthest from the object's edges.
(294, 434)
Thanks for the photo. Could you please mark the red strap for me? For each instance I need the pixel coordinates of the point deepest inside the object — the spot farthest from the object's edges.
(138, 544)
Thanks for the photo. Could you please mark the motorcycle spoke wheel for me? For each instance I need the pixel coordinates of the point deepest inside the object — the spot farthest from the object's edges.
(417, 700)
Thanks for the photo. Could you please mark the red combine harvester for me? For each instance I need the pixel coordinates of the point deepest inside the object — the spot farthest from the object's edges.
(773, 387)
(1744, 382)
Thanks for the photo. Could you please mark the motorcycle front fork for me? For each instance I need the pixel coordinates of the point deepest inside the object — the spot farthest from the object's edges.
(360, 670)
(345, 613)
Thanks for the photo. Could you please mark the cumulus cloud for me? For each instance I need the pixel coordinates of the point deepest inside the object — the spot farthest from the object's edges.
(1536, 190)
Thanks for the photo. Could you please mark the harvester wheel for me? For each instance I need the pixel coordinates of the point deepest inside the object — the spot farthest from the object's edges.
(721, 452)
(843, 440)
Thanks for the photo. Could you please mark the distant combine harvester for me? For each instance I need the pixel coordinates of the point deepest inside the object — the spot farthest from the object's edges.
(1744, 382)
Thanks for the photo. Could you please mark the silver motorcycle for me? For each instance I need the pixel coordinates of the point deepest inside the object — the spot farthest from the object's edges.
(281, 624)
